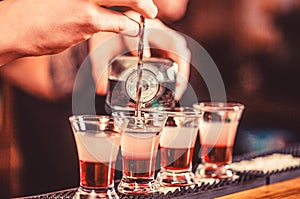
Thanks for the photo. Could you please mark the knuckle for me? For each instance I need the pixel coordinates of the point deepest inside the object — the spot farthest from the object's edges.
(90, 21)
(121, 25)
(137, 3)
(88, 17)
(144, 6)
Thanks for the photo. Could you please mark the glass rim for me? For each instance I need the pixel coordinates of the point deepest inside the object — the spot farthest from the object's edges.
(178, 111)
(216, 106)
(130, 114)
(90, 118)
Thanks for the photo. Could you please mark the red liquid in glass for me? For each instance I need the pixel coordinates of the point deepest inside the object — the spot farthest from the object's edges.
(176, 158)
(96, 174)
(139, 168)
(217, 154)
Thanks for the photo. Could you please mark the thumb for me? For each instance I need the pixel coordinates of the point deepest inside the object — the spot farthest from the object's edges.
(132, 45)
(112, 21)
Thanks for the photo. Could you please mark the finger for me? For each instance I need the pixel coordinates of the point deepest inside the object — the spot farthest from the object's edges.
(176, 49)
(145, 7)
(182, 77)
(132, 45)
(104, 46)
(112, 21)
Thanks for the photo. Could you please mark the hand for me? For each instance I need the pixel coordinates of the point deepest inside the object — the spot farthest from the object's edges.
(175, 11)
(169, 44)
(39, 27)
(157, 35)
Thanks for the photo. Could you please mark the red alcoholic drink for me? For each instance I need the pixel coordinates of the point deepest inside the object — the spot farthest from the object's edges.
(96, 174)
(217, 154)
(98, 143)
(176, 159)
(139, 168)
(177, 147)
(97, 156)
(217, 140)
(139, 151)
(139, 145)
(217, 128)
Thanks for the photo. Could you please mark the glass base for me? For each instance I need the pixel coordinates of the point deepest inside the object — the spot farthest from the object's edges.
(175, 179)
(215, 171)
(138, 186)
(85, 193)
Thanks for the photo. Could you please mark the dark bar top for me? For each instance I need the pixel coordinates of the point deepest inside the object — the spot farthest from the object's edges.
(248, 179)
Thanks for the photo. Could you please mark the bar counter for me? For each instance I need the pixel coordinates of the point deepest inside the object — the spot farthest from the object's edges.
(289, 189)
(274, 181)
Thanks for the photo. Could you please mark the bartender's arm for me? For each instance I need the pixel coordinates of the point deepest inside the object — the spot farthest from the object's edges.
(40, 27)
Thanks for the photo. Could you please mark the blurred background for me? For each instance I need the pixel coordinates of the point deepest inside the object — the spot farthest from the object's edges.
(255, 45)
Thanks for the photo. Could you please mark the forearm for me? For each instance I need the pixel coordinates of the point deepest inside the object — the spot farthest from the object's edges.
(7, 51)
(31, 74)
(43, 27)
(49, 77)
(12, 41)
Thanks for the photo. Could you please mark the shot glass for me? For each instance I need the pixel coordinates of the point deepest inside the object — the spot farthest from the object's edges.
(177, 144)
(98, 141)
(139, 146)
(217, 129)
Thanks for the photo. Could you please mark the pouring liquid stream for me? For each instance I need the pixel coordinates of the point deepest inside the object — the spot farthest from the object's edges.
(139, 85)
